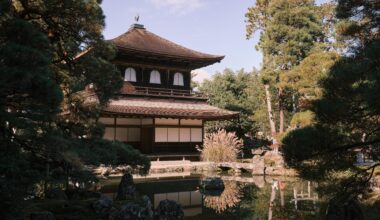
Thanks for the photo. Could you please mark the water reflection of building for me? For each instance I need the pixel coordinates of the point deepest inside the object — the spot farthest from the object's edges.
(245, 197)
(304, 199)
(302, 195)
(183, 190)
(191, 201)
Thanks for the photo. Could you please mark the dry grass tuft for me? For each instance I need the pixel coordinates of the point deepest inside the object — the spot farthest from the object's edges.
(221, 146)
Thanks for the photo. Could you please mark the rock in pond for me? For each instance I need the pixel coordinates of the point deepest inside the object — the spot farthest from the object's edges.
(169, 210)
(126, 187)
(42, 216)
(212, 186)
(102, 205)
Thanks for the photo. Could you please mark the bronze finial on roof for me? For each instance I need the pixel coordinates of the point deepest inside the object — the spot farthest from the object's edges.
(137, 18)
(137, 25)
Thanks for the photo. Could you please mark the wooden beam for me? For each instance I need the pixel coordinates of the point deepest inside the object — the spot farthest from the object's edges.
(143, 65)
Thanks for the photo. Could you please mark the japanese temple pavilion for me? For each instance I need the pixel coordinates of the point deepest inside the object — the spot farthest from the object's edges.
(156, 111)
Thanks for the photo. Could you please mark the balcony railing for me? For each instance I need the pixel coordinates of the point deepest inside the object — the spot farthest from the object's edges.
(175, 93)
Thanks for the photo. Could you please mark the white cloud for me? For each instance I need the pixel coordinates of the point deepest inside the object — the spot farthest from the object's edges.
(178, 7)
(201, 75)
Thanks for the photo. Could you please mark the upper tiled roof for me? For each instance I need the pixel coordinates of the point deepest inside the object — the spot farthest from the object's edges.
(139, 39)
(143, 107)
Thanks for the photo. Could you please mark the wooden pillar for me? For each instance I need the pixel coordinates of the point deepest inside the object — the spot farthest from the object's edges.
(167, 75)
(154, 136)
(142, 74)
(114, 130)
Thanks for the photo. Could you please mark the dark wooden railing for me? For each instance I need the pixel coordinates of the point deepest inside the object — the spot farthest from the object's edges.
(139, 90)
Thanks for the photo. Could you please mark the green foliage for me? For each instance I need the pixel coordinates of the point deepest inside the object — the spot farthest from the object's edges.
(302, 119)
(29, 99)
(46, 120)
(230, 91)
(347, 113)
(358, 21)
(305, 78)
(110, 152)
(289, 32)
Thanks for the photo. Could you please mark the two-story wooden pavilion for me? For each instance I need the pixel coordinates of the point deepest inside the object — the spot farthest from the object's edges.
(156, 111)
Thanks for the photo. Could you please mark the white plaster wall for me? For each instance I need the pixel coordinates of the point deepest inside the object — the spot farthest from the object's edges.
(106, 121)
(122, 134)
(166, 121)
(109, 133)
(128, 121)
(161, 134)
(191, 122)
(196, 134)
(173, 134)
(184, 135)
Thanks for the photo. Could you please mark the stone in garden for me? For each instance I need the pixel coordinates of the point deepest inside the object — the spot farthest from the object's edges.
(102, 205)
(169, 210)
(213, 183)
(135, 211)
(126, 187)
(212, 186)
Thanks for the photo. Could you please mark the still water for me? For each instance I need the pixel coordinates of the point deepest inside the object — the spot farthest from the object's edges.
(244, 197)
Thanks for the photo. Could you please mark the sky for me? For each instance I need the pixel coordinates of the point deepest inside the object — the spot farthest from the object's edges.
(210, 26)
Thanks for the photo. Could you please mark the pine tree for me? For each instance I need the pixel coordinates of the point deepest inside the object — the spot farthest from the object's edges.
(50, 98)
(289, 30)
(347, 112)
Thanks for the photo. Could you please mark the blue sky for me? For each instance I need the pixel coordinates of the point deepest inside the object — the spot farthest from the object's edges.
(211, 26)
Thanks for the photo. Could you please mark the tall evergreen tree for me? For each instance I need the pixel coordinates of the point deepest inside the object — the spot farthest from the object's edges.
(289, 30)
(50, 98)
(347, 113)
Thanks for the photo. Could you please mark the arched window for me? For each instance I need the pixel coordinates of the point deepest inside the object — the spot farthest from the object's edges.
(155, 77)
(130, 75)
(178, 79)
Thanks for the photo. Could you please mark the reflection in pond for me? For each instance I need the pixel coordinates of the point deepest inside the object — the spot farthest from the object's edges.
(191, 201)
(244, 197)
(229, 198)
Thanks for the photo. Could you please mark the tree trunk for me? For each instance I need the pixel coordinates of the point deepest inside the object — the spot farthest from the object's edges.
(281, 109)
(270, 111)
(47, 170)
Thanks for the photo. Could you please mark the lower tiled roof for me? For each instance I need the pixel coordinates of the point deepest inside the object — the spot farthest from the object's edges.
(170, 108)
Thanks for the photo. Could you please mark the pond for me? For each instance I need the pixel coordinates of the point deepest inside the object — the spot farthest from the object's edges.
(244, 196)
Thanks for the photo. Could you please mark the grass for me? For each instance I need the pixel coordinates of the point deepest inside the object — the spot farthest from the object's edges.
(221, 146)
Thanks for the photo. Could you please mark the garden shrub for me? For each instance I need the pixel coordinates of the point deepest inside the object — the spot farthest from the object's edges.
(221, 146)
